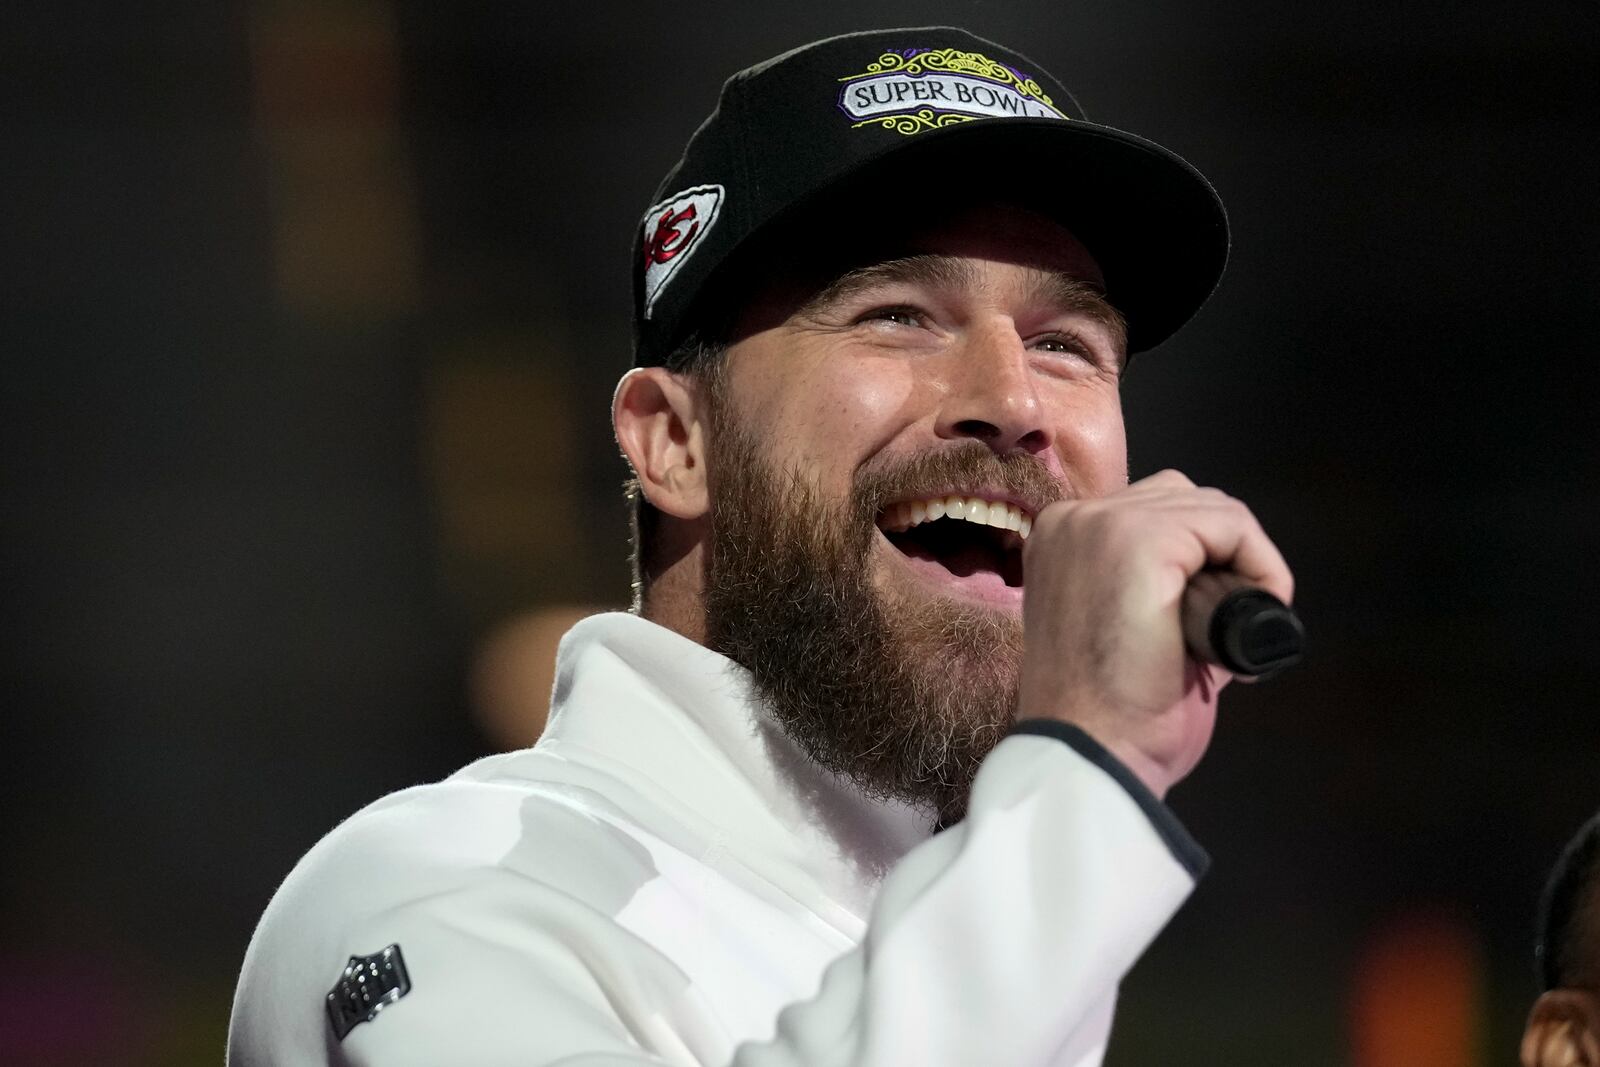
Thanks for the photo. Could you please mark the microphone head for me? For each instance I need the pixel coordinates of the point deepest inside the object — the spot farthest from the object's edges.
(1254, 633)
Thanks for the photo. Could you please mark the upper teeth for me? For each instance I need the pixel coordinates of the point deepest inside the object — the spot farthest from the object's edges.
(909, 513)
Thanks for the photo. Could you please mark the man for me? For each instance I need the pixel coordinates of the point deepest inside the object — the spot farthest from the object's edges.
(1564, 1026)
(838, 791)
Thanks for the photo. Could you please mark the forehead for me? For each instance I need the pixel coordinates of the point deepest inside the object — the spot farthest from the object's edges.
(998, 232)
(804, 258)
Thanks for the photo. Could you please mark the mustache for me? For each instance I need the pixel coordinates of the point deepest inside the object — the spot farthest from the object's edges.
(967, 464)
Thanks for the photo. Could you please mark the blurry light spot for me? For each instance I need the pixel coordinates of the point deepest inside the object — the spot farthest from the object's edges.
(344, 208)
(1416, 997)
(514, 671)
(501, 464)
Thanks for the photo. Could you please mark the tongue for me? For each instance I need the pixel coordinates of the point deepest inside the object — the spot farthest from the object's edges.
(962, 560)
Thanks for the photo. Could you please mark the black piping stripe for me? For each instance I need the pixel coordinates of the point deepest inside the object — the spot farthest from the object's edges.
(1185, 849)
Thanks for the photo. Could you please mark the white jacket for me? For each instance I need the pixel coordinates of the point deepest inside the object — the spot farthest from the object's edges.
(665, 879)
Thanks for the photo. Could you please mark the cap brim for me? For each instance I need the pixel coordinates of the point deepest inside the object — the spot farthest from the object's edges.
(1152, 221)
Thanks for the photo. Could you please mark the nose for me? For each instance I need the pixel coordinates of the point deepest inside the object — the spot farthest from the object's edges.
(991, 394)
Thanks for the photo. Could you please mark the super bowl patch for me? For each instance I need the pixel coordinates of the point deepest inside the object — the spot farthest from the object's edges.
(673, 229)
(926, 88)
(369, 984)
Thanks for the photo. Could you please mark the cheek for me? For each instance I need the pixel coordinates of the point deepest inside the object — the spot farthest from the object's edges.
(1093, 444)
(837, 415)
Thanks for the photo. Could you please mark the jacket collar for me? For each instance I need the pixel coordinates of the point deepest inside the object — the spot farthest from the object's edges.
(680, 725)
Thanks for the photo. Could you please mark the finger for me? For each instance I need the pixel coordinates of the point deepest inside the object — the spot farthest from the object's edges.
(1160, 481)
(1228, 536)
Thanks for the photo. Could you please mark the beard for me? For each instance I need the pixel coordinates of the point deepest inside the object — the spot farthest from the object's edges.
(898, 689)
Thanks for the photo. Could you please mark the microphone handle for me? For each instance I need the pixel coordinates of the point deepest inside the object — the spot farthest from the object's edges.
(1246, 630)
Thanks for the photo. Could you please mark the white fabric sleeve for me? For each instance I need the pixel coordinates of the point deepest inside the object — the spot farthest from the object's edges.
(507, 974)
(1002, 940)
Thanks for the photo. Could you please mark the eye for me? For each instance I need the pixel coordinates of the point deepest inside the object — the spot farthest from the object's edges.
(897, 315)
(1065, 344)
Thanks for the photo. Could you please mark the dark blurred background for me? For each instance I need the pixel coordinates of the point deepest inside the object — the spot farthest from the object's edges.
(311, 315)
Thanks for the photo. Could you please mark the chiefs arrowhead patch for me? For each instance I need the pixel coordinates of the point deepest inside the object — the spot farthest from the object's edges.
(673, 229)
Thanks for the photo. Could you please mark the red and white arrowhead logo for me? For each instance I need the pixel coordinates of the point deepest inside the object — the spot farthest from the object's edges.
(673, 229)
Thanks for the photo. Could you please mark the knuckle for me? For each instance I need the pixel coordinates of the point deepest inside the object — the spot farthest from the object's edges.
(1081, 520)
(1172, 476)
(1047, 524)
(1068, 510)
(1232, 506)
(1051, 516)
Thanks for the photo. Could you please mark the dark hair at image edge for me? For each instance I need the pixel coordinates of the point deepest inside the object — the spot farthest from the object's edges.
(1567, 913)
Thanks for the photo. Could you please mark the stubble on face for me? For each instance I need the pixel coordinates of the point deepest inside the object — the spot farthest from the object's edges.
(901, 690)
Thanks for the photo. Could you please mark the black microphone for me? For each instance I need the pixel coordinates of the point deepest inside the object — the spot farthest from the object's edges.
(1240, 627)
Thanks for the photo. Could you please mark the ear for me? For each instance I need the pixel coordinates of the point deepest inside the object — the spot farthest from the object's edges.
(1563, 1030)
(660, 428)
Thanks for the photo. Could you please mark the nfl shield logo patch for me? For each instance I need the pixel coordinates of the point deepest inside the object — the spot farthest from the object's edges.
(369, 984)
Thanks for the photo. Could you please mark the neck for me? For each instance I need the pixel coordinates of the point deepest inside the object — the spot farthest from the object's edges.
(676, 596)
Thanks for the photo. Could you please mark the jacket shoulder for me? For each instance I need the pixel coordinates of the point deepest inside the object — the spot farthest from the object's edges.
(445, 874)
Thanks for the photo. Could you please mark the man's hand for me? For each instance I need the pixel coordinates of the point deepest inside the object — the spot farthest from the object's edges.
(1104, 642)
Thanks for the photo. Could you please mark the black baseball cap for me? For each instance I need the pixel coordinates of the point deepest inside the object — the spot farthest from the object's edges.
(885, 116)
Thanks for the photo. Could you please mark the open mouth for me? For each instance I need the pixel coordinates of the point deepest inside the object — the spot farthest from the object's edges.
(975, 541)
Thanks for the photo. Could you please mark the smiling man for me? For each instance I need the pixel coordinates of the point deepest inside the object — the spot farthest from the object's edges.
(882, 437)
(874, 772)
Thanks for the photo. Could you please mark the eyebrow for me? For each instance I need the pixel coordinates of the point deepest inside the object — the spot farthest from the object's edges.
(1056, 288)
